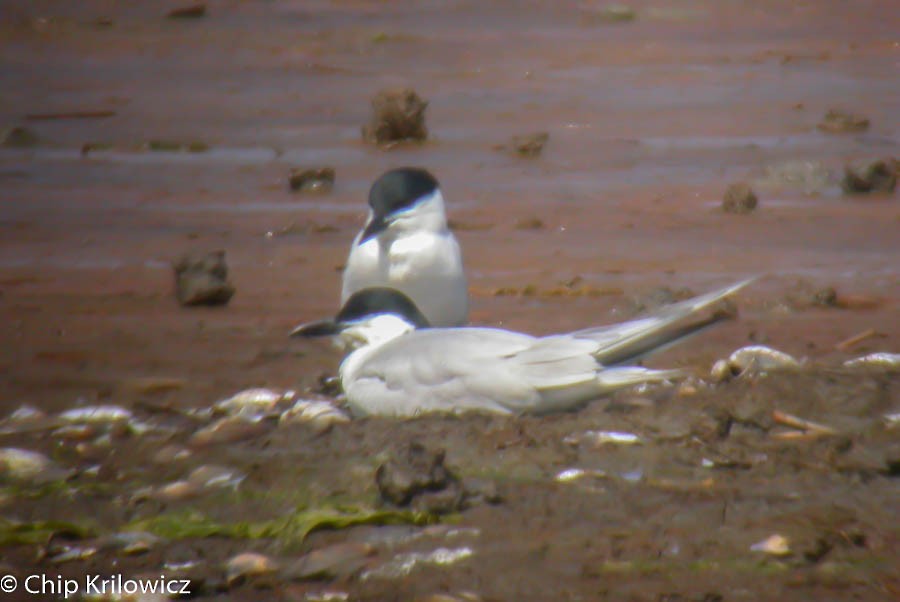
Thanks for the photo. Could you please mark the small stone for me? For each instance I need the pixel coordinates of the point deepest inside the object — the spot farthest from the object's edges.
(837, 121)
(866, 176)
(739, 198)
(398, 115)
(19, 137)
(312, 181)
(202, 279)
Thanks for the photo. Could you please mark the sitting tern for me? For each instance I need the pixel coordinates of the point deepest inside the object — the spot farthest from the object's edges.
(401, 367)
(406, 245)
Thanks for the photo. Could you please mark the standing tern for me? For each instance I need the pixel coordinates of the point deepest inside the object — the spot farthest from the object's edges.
(406, 245)
(401, 367)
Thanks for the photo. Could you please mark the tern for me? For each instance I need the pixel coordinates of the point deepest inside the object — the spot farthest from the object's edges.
(401, 367)
(406, 245)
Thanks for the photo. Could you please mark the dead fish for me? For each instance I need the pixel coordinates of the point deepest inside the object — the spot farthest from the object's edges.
(253, 401)
(70, 553)
(319, 414)
(890, 361)
(75, 432)
(210, 475)
(171, 453)
(94, 414)
(403, 564)
(598, 438)
(752, 360)
(129, 542)
(573, 474)
(229, 429)
(25, 465)
(773, 545)
(248, 565)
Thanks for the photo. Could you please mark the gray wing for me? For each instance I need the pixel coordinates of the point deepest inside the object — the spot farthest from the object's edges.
(631, 340)
(453, 370)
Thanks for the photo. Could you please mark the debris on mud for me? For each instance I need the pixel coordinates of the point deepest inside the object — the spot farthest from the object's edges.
(339, 561)
(403, 564)
(856, 339)
(750, 361)
(248, 566)
(611, 13)
(194, 11)
(19, 137)
(889, 361)
(866, 176)
(416, 476)
(528, 145)
(202, 279)
(838, 121)
(825, 297)
(398, 115)
(529, 223)
(320, 415)
(739, 198)
(657, 298)
(229, 430)
(774, 545)
(809, 176)
(312, 181)
(29, 466)
(169, 146)
(251, 402)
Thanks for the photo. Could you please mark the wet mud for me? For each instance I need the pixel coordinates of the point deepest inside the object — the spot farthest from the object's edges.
(150, 138)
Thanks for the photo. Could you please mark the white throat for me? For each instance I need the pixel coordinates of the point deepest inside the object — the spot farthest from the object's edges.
(374, 331)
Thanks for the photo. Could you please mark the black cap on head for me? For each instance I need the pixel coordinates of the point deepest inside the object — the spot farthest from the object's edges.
(361, 304)
(381, 300)
(400, 188)
(396, 190)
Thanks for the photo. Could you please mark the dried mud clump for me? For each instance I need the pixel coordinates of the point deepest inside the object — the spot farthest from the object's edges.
(194, 11)
(202, 279)
(312, 181)
(397, 116)
(529, 145)
(870, 175)
(837, 121)
(739, 198)
(18, 137)
(416, 476)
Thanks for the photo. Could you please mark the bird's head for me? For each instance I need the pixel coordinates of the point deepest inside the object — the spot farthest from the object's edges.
(371, 316)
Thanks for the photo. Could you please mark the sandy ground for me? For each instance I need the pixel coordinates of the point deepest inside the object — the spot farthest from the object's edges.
(648, 121)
